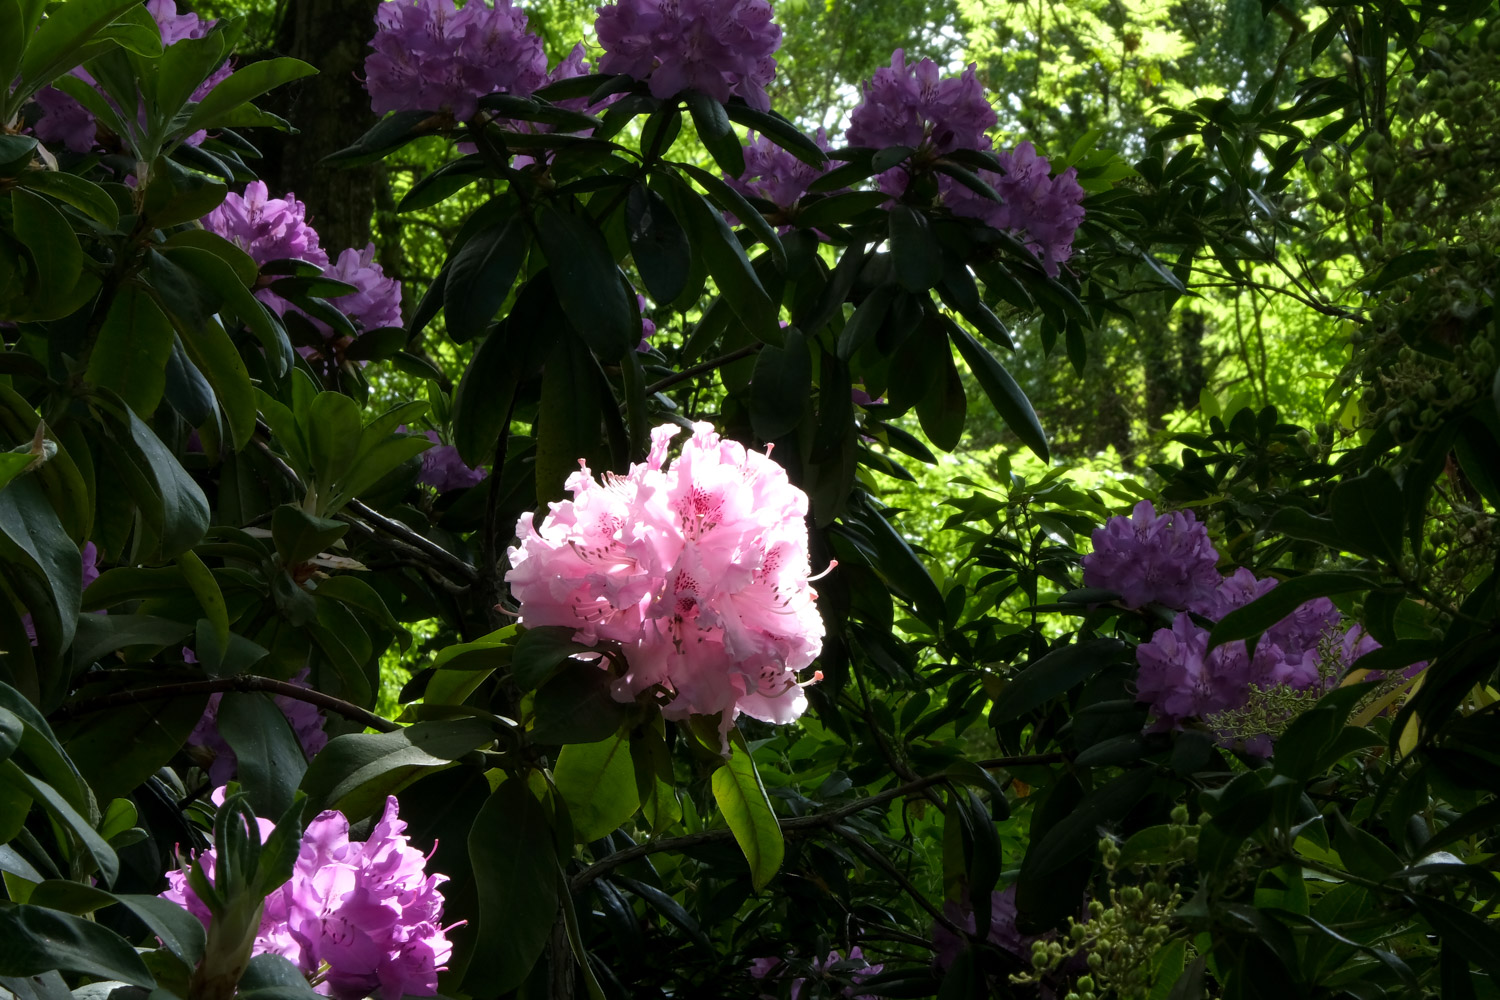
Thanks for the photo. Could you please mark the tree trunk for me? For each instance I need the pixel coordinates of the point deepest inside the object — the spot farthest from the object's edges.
(330, 111)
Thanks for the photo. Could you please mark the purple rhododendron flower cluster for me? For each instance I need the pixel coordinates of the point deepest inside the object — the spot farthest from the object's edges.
(699, 570)
(776, 968)
(1166, 559)
(431, 56)
(1003, 933)
(723, 48)
(1042, 210)
(444, 470)
(270, 229)
(648, 327)
(367, 910)
(64, 121)
(304, 718)
(913, 104)
(775, 175)
(1169, 560)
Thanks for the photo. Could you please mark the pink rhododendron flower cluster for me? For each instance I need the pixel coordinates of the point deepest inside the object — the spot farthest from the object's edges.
(69, 123)
(856, 969)
(1169, 560)
(1043, 211)
(431, 56)
(699, 570)
(775, 175)
(444, 470)
(367, 909)
(270, 229)
(304, 718)
(723, 48)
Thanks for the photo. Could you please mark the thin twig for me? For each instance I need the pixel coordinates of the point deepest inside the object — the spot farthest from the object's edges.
(793, 826)
(701, 367)
(243, 682)
(419, 542)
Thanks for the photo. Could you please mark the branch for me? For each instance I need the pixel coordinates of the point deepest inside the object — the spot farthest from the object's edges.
(243, 682)
(701, 367)
(414, 540)
(884, 863)
(796, 824)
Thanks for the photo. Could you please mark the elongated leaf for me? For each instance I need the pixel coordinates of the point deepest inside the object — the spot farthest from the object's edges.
(480, 277)
(725, 258)
(84, 195)
(917, 255)
(597, 782)
(733, 202)
(35, 940)
(1009, 401)
(58, 807)
(1475, 939)
(1051, 675)
(511, 845)
(131, 352)
(58, 44)
(270, 760)
(747, 809)
(246, 84)
(179, 930)
(781, 387)
(45, 565)
(163, 490)
(357, 771)
(1268, 609)
(716, 133)
(588, 282)
(657, 244)
(778, 130)
(1367, 512)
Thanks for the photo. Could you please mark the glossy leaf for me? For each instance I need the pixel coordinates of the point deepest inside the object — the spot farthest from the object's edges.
(747, 809)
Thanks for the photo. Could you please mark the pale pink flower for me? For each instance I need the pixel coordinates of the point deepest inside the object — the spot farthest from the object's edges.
(698, 570)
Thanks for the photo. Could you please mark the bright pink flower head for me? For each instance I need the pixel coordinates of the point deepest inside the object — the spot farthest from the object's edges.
(723, 48)
(304, 718)
(1042, 211)
(700, 571)
(430, 56)
(369, 911)
(912, 104)
(1146, 558)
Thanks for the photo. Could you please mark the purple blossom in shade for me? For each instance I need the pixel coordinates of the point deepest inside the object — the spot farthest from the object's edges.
(444, 470)
(63, 120)
(776, 968)
(1180, 679)
(1003, 933)
(1041, 210)
(775, 175)
(377, 301)
(430, 56)
(174, 26)
(912, 104)
(648, 328)
(723, 48)
(1146, 558)
(367, 911)
(304, 718)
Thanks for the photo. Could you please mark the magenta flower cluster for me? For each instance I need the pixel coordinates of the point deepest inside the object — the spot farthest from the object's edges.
(431, 56)
(698, 570)
(724, 48)
(444, 470)
(1168, 560)
(304, 718)
(368, 911)
(64, 121)
(772, 174)
(270, 229)
(773, 969)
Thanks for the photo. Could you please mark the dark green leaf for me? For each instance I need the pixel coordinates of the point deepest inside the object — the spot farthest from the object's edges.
(480, 277)
(1268, 609)
(270, 760)
(781, 387)
(657, 244)
(246, 84)
(716, 133)
(299, 535)
(588, 282)
(1059, 671)
(355, 772)
(914, 249)
(511, 845)
(34, 940)
(1009, 401)
(1367, 512)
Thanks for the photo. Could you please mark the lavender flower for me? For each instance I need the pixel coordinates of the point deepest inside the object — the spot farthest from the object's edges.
(775, 175)
(1180, 679)
(648, 327)
(1166, 559)
(174, 26)
(1003, 933)
(444, 470)
(367, 911)
(1041, 210)
(776, 968)
(304, 718)
(720, 47)
(377, 300)
(267, 228)
(911, 104)
(430, 56)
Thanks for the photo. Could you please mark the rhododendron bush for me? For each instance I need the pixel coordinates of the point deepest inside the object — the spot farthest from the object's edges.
(615, 605)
